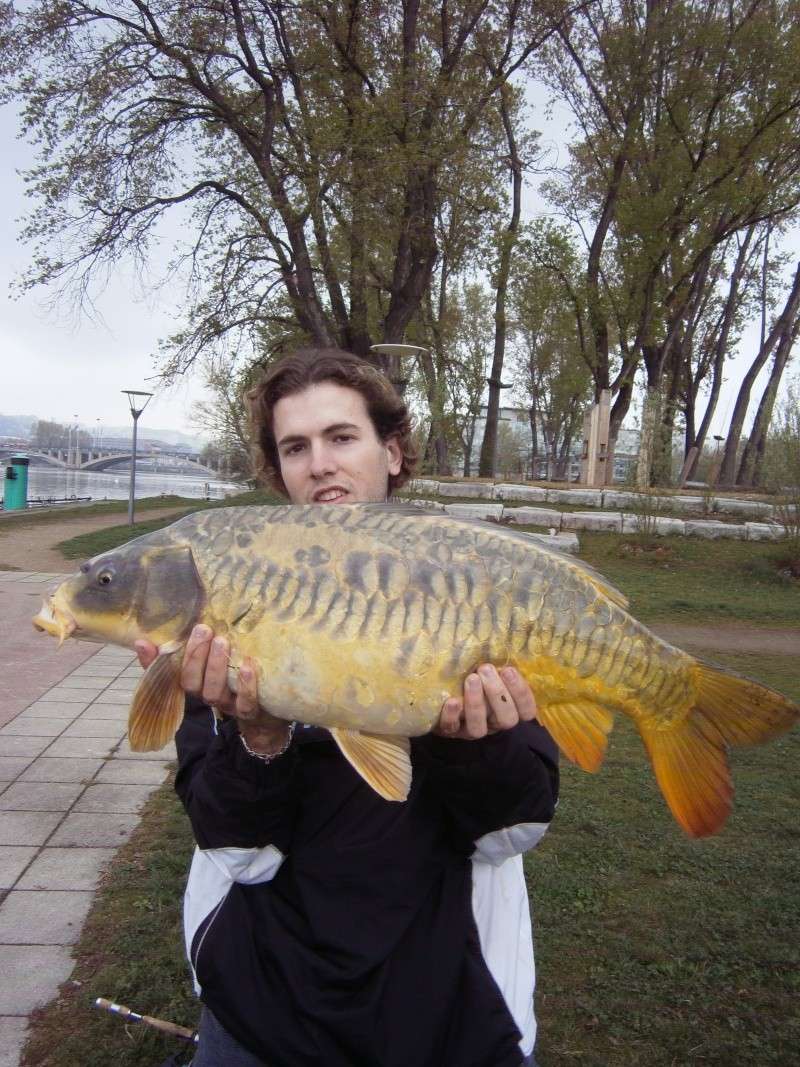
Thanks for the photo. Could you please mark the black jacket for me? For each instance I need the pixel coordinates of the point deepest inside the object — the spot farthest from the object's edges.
(328, 927)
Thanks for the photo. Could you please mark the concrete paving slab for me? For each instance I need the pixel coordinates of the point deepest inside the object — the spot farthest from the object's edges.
(33, 727)
(61, 769)
(86, 830)
(23, 746)
(96, 728)
(27, 828)
(65, 695)
(46, 709)
(13, 1035)
(132, 772)
(14, 576)
(475, 511)
(116, 799)
(97, 670)
(13, 861)
(166, 753)
(31, 976)
(40, 796)
(12, 766)
(88, 681)
(82, 747)
(119, 712)
(67, 868)
(107, 697)
(123, 687)
(43, 917)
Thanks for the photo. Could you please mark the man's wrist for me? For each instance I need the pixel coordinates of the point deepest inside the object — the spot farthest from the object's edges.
(266, 742)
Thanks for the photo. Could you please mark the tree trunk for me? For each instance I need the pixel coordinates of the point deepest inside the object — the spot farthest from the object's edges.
(651, 413)
(488, 456)
(727, 472)
(750, 465)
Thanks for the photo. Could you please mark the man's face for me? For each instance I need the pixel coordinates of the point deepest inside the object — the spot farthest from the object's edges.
(328, 448)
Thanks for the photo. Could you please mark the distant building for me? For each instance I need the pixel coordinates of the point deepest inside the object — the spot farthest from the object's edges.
(515, 443)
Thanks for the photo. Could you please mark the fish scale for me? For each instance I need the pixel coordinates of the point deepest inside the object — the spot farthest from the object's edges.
(365, 618)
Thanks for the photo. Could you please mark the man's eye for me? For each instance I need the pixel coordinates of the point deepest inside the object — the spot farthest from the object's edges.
(344, 437)
(293, 450)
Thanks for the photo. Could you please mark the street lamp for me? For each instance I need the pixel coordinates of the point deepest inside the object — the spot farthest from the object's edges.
(134, 397)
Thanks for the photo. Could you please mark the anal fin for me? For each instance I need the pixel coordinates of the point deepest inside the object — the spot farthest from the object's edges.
(580, 729)
(382, 761)
(158, 703)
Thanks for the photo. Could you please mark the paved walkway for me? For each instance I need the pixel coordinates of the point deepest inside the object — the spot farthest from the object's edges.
(70, 794)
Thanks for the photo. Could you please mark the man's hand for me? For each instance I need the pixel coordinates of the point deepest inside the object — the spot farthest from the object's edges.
(204, 674)
(493, 700)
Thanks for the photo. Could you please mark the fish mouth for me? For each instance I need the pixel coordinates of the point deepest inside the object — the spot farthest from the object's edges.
(331, 494)
(55, 622)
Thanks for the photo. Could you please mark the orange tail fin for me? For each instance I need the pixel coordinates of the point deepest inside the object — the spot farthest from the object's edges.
(689, 757)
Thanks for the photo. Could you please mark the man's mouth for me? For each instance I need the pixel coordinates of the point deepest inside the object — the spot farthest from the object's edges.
(331, 495)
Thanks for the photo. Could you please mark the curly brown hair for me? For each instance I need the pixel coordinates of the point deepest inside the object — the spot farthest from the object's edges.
(311, 366)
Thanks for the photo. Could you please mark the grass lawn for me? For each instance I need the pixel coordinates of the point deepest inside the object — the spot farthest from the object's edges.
(653, 950)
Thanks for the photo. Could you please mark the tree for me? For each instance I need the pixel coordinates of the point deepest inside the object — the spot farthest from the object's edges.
(689, 134)
(301, 145)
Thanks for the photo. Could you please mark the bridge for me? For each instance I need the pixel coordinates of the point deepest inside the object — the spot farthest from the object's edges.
(92, 459)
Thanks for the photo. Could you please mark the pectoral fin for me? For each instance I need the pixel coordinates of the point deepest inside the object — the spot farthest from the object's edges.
(157, 708)
(580, 730)
(383, 762)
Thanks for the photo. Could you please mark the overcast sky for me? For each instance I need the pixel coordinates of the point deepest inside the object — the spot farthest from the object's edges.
(59, 369)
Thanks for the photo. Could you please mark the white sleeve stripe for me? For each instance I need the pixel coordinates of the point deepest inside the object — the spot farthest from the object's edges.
(499, 845)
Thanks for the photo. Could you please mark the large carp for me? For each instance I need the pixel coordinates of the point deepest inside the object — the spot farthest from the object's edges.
(364, 618)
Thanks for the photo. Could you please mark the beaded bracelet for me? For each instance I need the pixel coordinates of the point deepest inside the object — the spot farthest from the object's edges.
(268, 757)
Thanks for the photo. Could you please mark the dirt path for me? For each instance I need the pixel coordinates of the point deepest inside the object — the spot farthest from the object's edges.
(30, 548)
(728, 637)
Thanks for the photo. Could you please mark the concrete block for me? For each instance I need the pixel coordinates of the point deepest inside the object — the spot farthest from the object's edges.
(687, 503)
(82, 747)
(592, 498)
(13, 861)
(166, 753)
(40, 796)
(524, 493)
(712, 530)
(117, 799)
(763, 531)
(588, 520)
(27, 827)
(33, 727)
(113, 728)
(662, 525)
(423, 485)
(752, 509)
(421, 503)
(67, 868)
(31, 976)
(475, 511)
(133, 772)
(617, 498)
(11, 766)
(61, 769)
(471, 490)
(533, 517)
(85, 830)
(42, 917)
(23, 746)
(565, 541)
(13, 1036)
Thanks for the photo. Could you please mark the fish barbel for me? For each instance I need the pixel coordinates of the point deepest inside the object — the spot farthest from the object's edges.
(365, 618)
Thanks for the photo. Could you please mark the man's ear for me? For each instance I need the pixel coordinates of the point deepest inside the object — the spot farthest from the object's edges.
(395, 455)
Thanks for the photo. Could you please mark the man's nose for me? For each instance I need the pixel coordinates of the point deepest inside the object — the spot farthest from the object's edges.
(323, 463)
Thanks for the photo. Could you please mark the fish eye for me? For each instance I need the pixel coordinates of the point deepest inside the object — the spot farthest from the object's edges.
(105, 577)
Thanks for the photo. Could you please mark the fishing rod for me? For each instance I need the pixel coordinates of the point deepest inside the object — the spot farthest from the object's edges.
(181, 1032)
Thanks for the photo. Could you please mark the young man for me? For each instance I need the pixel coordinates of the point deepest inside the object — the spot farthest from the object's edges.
(327, 927)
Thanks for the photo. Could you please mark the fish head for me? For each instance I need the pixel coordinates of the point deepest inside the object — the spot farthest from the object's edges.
(138, 591)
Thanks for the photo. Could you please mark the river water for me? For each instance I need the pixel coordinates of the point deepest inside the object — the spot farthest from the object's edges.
(58, 484)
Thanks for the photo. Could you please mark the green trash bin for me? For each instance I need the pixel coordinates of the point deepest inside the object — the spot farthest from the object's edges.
(15, 491)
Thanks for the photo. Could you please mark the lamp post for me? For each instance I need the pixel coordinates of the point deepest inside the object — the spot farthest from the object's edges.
(134, 397)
